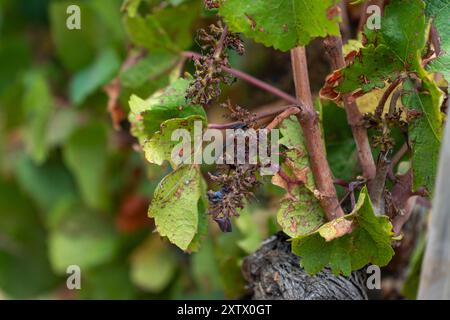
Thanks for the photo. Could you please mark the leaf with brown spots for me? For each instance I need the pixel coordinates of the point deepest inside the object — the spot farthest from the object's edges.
(332, 245)
(282, 24)
(296, 160)
(300, 212)
(394, 49)
(146, 116)
(161, 147)
(177, 207)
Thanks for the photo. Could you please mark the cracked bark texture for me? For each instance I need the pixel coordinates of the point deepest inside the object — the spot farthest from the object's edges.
(273, 272)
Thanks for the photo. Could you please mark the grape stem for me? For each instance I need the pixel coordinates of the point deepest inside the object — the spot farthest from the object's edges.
(354, 117)
(259, 116)
(435, 40)
(221, 43)
(380, 107)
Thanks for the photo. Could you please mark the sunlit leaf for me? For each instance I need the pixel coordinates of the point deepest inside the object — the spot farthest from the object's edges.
(300, 211)
(175, 206)
(369, 242)
(281, 24)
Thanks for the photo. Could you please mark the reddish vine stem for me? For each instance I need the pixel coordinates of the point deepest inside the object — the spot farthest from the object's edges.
(259, 116)
(251, 80)
(345, 24)
(309, 122)
(378, 184)
(354, 117)
(399, 155)
(434, 37)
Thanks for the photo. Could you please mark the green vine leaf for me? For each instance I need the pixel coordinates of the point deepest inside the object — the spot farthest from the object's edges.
(372, 66)
(161, 146)
(169, 29)
(300, 212)
(369, 242)
(281, 24)
(439, 12)
(248, 227)
(146, 116)
(425, 132)
(22, 228)
(202, 229)
(394, 49)
(76, 50)
(47, 184)
(403, 30)
(175, 206)
(150, 68)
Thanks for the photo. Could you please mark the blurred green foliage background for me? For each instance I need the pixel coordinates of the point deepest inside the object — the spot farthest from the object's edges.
(73, 191)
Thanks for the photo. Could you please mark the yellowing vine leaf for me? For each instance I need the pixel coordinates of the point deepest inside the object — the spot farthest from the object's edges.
(300, 211)
(146, 116)
(175, 206)
(160, 147)
(390, 51)
(369, 102)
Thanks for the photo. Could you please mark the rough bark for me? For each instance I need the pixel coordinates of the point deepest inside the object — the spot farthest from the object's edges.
(273, 272)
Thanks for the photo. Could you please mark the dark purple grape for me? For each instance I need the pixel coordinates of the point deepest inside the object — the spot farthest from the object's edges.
(224, 224)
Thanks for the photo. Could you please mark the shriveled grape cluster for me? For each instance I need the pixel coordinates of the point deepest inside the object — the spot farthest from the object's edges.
(235, 182)
(241, 115)
(236, 187)
(209, 73)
